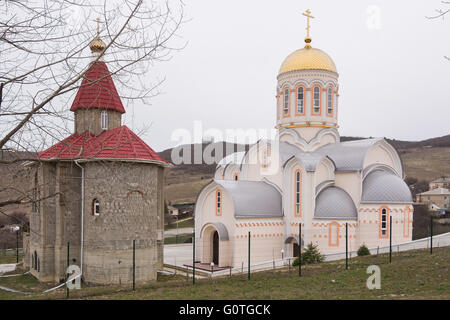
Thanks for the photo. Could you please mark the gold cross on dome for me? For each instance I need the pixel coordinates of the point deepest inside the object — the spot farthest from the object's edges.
(98, 25)
(308, 15)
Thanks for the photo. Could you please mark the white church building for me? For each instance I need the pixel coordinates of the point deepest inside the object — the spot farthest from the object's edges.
(306, 176)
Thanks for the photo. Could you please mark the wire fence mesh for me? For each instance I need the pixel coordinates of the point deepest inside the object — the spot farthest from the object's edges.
(131, 266)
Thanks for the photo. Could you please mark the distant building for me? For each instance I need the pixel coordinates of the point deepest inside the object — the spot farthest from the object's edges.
(435, 199)
(442, 182)
(173, 211)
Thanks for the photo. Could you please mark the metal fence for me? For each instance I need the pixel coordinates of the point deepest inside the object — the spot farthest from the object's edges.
(181, 257)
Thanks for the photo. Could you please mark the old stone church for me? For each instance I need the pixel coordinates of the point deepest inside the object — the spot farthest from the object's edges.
(97, 191)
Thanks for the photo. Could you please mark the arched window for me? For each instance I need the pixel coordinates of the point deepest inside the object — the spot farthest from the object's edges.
(316, 100)
(218, 203)
(33, 263)
(95, 207)
(236, 177)
(300, 100)
(297, 193)
(384, 224)
(286, 101)
(104, 120)
(330, 101)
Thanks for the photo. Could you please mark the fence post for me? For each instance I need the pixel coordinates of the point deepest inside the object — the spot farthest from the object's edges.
(431, 235)
(346, 246)
(17, 246)
(249, 235)
(193, 257)
(390, 239)
(299, 249)
(134, 265)
(289, 266)
(68, 262)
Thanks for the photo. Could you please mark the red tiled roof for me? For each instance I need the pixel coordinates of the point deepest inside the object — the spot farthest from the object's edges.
(95, 93)
(118, 143)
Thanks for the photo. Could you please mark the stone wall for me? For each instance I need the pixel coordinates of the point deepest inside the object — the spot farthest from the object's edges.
(90, 120)
(131, 208)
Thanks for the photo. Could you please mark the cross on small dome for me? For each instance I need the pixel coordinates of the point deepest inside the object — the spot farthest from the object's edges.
(97, 45)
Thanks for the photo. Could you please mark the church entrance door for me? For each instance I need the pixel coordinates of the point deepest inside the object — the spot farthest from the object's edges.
(216, 248)
(295, 249)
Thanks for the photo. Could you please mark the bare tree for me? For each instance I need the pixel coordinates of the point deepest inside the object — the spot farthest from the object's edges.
(44, 54)
(441, 13)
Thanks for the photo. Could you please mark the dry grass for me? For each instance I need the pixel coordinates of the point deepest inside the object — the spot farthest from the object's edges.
(411, 275)
(426, 163)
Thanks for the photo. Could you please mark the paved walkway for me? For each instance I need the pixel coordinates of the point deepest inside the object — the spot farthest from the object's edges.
(178, 254)
(7, 267)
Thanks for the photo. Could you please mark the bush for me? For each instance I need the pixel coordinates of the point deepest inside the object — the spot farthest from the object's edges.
(363, 251)
(311, 255)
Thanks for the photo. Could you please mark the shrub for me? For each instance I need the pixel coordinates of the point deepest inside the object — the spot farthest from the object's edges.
(363, 251)
(311, 255)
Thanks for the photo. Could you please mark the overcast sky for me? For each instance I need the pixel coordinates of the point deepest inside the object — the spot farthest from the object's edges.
(394, 79)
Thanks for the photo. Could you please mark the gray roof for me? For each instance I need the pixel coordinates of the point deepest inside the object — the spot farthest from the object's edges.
(441, 179)
(233, 158)
(349, 155)
(221, 230)
(436, 191)
(309, 159)
(335, 203)
(253, 198)
(385, 187)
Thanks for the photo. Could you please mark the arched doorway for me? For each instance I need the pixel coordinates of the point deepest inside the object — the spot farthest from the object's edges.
(292, 246)
(215, 246)
(295, 250)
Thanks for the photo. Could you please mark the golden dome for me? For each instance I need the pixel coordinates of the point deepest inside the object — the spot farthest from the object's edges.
(308, 58)
(97, 45)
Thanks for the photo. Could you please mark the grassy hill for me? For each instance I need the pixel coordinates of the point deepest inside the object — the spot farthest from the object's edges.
(411, 275)
(425, 160)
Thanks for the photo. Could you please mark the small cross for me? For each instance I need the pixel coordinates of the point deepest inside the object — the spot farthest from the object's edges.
(308, 15)
(98, 25)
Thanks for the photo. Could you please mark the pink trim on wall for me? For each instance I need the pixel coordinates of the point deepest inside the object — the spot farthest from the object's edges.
(330, 238)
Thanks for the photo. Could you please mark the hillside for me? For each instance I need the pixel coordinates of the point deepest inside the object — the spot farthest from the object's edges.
(425, 160)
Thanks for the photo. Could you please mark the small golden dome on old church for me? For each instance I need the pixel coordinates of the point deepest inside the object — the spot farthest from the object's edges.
(97, 45)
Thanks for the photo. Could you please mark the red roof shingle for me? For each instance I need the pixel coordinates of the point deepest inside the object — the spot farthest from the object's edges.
(118, 143)
(97, 90)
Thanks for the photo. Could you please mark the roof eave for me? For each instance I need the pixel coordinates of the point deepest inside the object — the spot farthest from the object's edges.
(80, 160)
